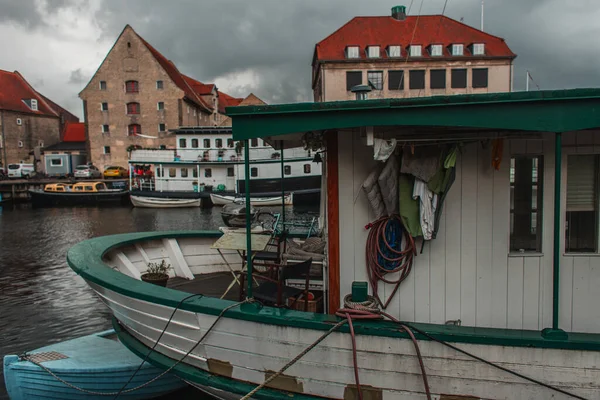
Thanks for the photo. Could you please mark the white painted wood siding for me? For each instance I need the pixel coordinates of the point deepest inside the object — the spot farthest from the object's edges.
(467, 272)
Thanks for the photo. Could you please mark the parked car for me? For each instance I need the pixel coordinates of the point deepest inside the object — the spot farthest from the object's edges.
(115, 172)
(17, 171)
(87, 171)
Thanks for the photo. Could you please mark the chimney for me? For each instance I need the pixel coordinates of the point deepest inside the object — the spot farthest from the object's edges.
(399, 13)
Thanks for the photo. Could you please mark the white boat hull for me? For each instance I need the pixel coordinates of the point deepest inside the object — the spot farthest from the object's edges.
(220, 200)
(249, 351)
(156, 202)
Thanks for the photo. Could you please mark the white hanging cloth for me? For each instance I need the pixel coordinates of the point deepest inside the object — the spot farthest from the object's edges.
(427, 206)
(383, 149)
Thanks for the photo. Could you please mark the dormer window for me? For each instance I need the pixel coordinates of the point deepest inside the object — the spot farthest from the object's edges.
(415, 50)
(458, 49)
(478, 49)
(435, 50)
(373, 51)
(34, 105)
(394, 51)
(352, 52)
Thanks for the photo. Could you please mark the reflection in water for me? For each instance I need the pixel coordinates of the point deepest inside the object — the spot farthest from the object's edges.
(42, 301)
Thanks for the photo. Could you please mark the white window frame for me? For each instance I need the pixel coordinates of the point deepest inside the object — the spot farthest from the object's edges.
(162, 83)
(436, 50)
(162, 130)
(107, 130)
(20, 143)
(373, 52)
(352, 52)
(415, 50)
(60, 162)
(102, 106)
(104, 149)
(394, 51)
(458, 49)
(163, 106)
(40, 143)
(19, 121)
(100, 85)
(478, 49)
(34, 104)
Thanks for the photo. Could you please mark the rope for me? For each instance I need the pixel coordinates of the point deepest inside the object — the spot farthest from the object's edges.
(384, 254)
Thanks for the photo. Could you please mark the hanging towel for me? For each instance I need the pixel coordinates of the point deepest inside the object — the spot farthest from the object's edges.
(423, 164)
(451, 157)
(373, 193)
(427, 206)
(409, 207)
(497, 149)
(388, 184)
(383, 149)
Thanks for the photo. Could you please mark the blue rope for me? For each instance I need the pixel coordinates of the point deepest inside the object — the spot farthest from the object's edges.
(393, 235)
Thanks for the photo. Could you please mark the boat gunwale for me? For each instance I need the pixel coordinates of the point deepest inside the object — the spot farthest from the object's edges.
(86, 259)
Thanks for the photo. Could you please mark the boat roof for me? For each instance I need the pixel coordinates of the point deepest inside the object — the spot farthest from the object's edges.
(540, 111)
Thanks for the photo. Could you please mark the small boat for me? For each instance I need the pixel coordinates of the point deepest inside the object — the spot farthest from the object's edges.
(234, 214)
(98, 363)
(81, 193)
(220, 200)
(158, 202)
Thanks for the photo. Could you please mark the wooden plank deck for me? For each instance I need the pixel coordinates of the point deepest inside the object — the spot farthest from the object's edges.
(213, 285)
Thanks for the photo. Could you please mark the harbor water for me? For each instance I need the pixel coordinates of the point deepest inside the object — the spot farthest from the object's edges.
(42, 301)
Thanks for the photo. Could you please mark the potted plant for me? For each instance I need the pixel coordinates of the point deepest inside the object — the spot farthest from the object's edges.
(157, 273)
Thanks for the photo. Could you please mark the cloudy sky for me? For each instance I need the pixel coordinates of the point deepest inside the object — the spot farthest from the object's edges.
(266, 46)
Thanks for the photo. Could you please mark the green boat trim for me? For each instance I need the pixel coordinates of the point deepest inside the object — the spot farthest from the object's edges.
(86, 259)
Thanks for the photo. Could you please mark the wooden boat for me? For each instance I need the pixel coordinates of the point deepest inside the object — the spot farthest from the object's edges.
(491, 318)
(221, 200)
(97, 363)
(234, 214)
(159, 202)
(81, 193)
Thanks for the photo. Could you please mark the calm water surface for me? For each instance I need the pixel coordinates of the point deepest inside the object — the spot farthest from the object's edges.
(42, 301)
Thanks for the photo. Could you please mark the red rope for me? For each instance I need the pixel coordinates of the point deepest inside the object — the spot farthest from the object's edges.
(374, 251)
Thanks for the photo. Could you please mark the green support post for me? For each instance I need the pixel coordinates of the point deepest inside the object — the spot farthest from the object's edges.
(555, 333)
(282, 188)
(248, 220)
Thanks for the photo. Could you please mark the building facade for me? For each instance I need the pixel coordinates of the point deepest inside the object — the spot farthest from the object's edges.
(400, 56)
(27, 119)
(136, 96)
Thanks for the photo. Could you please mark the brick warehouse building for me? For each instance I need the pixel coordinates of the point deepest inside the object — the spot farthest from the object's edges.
(27, 119)
(410, 56)
(137, 95)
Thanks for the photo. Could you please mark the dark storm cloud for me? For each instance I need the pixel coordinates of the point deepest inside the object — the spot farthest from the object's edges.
(30, 13)
(275, 39)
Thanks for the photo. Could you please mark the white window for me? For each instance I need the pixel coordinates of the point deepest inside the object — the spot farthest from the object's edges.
(478, 49)
(581, 224)
(352, 52)
(105, 129)
(19, 121)
(415, 50)
(394, 51)
(373, 51)
(106, 150)
(375, 79)
(436, 49)
(457, 49)
(20, 143)
(34, 105)
(56, 162)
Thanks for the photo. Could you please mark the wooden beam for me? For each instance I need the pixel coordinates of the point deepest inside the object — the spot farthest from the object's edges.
(180, 266)
(126, 266)
(333, 223)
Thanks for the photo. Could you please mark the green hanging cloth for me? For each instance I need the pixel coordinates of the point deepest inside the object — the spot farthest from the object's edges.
(409, 207)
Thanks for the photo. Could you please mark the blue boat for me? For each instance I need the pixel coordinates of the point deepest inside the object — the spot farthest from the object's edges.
(99, 364)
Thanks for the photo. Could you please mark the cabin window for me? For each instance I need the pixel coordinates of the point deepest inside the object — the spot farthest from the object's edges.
(459, 78)
(194, 172)
(219, 143)
(353, 78)
(207, 143)
(182, 143)
(480, 77)
(581, 224)
(56, 162)
(184, 172)
(396, 80)
(526, 196)
(254, 171)
(287, 170)
(375, 79)
(102, 85)
(133, 108)
(417, 79)
(104, 106)
(158, 174)
(230, 171)
(89, 188)
(194, 143)
(78, 188)
(307, 168)
(208, 173)
(132, 87)
(229, 142)
(172, 172)
(437, 79)
(254, 142)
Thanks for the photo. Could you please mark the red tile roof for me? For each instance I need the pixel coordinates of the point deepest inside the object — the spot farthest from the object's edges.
(73, 132)
(200, 89)
(385, 31)
(226, 100)
(14, 89)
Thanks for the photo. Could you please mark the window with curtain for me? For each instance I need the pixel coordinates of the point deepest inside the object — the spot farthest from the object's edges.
(184, 172)
(526, 173)
(581, 224)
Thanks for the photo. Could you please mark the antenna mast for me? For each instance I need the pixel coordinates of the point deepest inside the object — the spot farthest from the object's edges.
(482, 15)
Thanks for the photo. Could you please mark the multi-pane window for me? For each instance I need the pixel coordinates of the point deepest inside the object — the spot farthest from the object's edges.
(194, 143)
(133, 108)
(417, 79)
(457, 49)
(104, 106)
(102, 85)
(581, 225)
(375, 79)
(526, 196)
(182, 143)
(480, 77)
(352, 52)
(353, 78)
(415, 50)
(184, 172)
(134, 129)
(394, 51)
(373, 51)
(208, 173)
(159, 85)
(396, 80)
(253, 171)
(287, 170)
(459, 78)
(435, 50)
(219, 143)
(478, 49)
(437, 79)
(132, 87)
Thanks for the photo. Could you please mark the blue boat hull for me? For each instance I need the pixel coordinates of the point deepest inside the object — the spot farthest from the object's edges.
(97, 363)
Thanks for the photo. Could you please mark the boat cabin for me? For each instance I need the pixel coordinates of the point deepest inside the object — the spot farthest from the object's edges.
(89, 187)
(58, 187)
